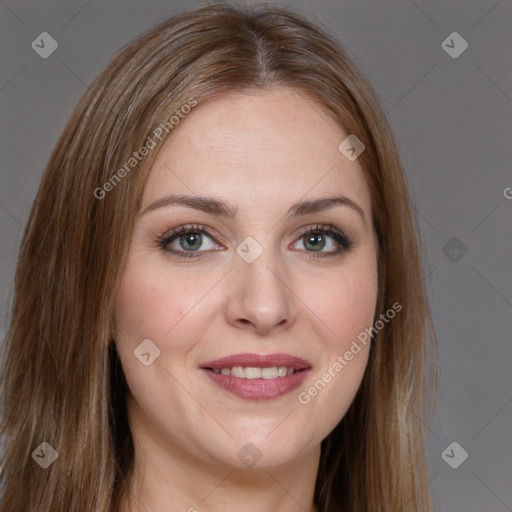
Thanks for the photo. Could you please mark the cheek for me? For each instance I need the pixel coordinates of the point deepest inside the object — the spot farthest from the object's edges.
(355, 310)
(148, 306)
(151, 305)
(345, 303)
(347, 308)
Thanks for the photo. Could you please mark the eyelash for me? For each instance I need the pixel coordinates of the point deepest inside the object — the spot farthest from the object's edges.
(344, 242)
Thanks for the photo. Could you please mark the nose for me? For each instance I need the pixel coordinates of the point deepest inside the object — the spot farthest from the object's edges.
(261, 299)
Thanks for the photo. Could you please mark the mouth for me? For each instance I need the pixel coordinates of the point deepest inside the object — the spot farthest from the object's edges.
(257, 377)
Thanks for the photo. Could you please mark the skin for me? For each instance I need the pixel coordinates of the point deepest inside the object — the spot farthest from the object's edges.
(261, 153)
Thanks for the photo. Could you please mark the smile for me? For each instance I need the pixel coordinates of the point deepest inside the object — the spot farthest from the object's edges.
(257, 377)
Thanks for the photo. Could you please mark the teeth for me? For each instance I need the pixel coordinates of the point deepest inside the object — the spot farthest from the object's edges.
(251, 372)
(282, 371)
(270, 373)
(238, 371)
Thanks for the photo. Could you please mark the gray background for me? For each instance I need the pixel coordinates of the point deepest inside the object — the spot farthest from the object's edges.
(452, 120)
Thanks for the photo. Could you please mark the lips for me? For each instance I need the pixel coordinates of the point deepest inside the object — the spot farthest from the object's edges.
(257, 377)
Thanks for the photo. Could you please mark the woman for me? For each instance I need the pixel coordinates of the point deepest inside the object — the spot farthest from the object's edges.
(219, 298)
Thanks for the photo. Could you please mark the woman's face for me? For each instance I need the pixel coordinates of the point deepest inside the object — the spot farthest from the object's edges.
(235, 335)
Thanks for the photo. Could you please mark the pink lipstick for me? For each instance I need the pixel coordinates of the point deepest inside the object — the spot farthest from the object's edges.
(257, 377)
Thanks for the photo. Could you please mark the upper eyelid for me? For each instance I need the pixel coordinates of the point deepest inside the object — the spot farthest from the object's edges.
(180, 230)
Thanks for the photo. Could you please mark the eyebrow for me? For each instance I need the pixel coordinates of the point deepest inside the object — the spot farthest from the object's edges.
(222, 209)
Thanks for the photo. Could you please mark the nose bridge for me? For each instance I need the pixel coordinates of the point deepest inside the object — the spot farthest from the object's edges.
(261, 294)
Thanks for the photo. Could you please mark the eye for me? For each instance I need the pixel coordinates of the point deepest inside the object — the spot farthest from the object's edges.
(187, 240)
(323, 241)
(193, 241)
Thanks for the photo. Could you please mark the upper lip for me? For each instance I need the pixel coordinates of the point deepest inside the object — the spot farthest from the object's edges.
(258, 361)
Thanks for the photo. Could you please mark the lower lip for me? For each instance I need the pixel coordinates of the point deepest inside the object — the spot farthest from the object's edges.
(258, 389)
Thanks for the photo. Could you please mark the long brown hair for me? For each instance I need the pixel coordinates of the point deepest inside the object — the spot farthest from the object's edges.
(61, 381)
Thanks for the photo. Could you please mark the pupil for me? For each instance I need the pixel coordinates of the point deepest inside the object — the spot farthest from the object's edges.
(194, 241)
(316, 241)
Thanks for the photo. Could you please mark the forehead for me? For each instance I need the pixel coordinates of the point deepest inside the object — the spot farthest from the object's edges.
(257, 148)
